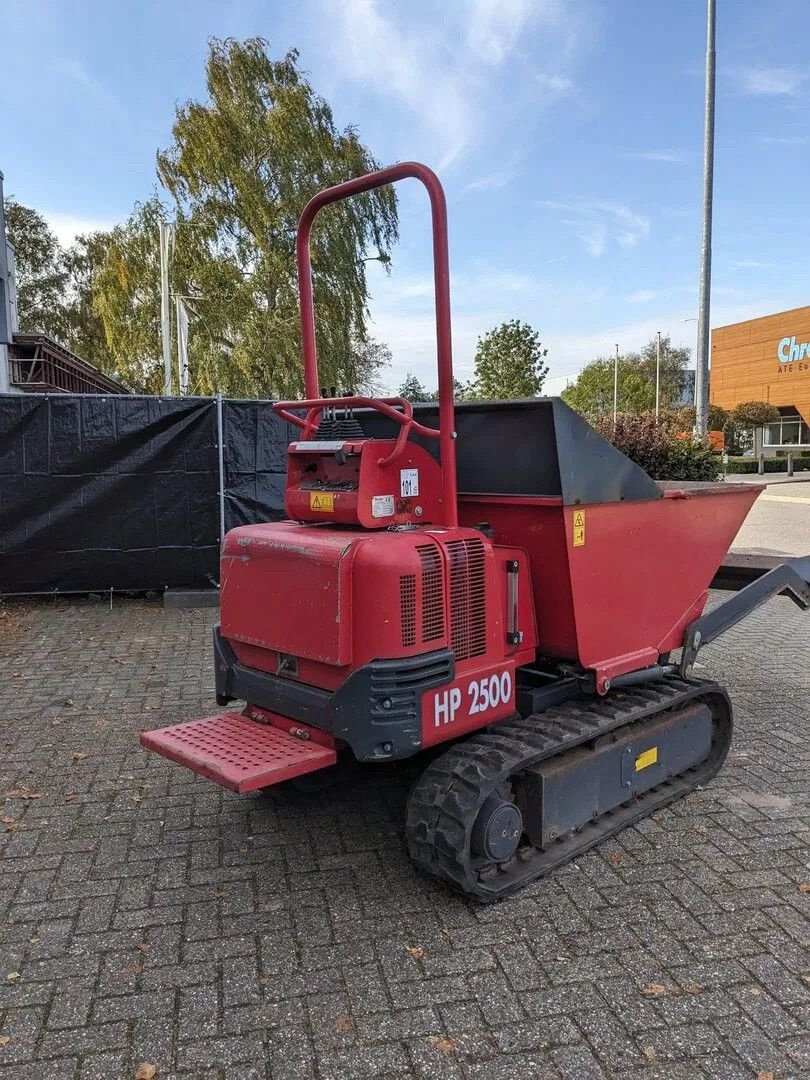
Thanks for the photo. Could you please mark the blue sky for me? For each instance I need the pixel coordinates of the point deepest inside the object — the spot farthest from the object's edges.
(567, 133)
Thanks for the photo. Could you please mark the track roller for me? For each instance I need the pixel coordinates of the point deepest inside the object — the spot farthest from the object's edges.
(505, 806)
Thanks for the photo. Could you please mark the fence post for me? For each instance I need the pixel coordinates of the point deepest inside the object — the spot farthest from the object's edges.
(221, 460)
(761, 464)
(790, 465)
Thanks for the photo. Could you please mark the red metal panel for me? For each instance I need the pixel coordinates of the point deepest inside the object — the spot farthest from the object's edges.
(473, 700)
(237, 752)
(286, 586)
(620, 592)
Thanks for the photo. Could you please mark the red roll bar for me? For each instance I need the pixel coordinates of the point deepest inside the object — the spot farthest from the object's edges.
(441, 285)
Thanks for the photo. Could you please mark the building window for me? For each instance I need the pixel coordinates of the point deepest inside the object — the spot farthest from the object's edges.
(788, 431)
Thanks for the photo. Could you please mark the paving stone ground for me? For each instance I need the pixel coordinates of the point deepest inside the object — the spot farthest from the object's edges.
(147, 916)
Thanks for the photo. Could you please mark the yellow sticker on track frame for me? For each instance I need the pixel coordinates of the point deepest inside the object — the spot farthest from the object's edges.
(578, 529)
(324, 501)
(649, 757)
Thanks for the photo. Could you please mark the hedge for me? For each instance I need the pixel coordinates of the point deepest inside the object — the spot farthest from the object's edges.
(801, 463)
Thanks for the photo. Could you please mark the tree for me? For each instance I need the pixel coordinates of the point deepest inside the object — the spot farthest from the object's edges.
(719, 418)
(40, 270)
(674, 361)
(413, 390)
(240, 169)
(509, 362)
(367, 358)
(85, 333)
(592, 393)
(754, 414)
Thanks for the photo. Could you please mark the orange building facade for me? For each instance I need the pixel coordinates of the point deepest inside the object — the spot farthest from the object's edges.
(767, 359)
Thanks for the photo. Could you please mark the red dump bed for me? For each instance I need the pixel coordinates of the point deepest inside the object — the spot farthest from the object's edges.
(616, 584)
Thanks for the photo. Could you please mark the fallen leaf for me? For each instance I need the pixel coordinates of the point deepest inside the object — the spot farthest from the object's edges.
(78, 755)
(5, 1040)
(416, 951)
(221, 893)
(442, 1044)
(143, 947)
(344, 1023)
(649, 1053)
(68, 701)
(654, 989)
(147, 1071)
(133, 969)
(765, 1076)
(755, 990)
(615, 857)
(804, 887)
(12, 976)
(24, 793)
(693, 989)
(71, 795)
(16, 674)
(11, 824)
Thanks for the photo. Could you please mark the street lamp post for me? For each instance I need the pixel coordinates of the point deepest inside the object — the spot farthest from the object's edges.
(616, 386)
(166, 239)
(702, 365)
(657, 373)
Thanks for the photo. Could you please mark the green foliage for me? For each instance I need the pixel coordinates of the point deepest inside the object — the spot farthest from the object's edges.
(241, 167)
(719, 419)
(509, 363)
(655, 446)
(592, 393)
(85, 330)
(801, 463)
(674, 360)
(754, 414)
(41, 272)
(413, 390)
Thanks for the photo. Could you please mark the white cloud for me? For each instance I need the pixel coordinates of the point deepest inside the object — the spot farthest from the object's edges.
(66, 227)
(73, 69)
(495, 26)
(772, 81)
(752, 264)
(643, 296)
(498, 179)
(594, 237)
(785, 140)
(654, 155)
(596, 223)
(435, 68)
(557, 84)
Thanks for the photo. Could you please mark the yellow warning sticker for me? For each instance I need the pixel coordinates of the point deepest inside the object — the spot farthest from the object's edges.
(578, 533)
(323, 501)
(649, 757)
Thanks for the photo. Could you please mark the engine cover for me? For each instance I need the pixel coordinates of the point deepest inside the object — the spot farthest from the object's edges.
(304, 600)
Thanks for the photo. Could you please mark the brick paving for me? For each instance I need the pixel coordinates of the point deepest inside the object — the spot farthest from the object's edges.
(147, 916)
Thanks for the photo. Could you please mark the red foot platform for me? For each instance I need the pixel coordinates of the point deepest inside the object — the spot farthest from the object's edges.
(237, 752)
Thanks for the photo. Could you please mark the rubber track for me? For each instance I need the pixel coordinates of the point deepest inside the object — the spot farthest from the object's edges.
(445, 800)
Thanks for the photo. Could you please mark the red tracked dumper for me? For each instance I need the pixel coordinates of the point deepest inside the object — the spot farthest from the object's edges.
(495, 577)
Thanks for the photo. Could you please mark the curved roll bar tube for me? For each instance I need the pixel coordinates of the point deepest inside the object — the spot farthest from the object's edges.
(441, 284)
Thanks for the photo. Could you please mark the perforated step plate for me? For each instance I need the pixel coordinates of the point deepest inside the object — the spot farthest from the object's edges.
(237, 752)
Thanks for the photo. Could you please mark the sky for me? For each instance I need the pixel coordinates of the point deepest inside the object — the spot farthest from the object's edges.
(567, 133)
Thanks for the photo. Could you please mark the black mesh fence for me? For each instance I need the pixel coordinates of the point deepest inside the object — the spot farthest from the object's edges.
(124, 493)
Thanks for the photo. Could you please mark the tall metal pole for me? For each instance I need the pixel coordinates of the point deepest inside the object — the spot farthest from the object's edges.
(616, 386)
(6, 328)
(181, 320)
(166, 235)
(657, 373)
(702, 364)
